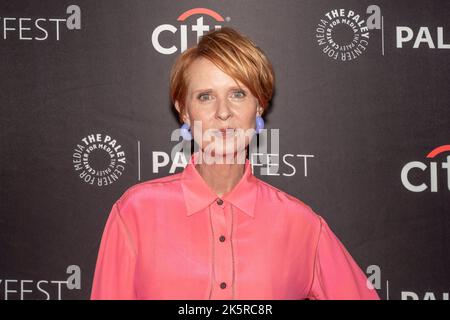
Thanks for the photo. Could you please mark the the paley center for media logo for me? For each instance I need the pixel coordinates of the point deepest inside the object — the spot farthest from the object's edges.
(344, 34)
(99, 159)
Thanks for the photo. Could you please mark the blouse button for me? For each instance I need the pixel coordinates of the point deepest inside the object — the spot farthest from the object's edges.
(222, 238)
(223, 285)
(219, 202)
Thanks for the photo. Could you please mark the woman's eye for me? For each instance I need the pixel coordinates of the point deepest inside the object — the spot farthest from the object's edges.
(239, 94)
(204, 96)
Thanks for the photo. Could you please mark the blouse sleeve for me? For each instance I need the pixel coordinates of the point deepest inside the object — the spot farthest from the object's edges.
(336, 275)
(114, 271)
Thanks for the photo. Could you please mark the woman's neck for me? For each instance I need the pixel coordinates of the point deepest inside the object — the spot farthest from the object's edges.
(221, 177)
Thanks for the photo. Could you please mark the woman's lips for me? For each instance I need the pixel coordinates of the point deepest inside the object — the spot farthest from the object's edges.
(226, 132)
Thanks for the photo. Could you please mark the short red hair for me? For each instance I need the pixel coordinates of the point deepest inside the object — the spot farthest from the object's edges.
(234, 54)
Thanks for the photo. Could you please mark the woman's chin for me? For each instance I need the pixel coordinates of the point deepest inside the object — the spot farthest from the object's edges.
(225, 154)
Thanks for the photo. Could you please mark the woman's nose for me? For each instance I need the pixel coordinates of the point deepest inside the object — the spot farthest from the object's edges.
(223, 110)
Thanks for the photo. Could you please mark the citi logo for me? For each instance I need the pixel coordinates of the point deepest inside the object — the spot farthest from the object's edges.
(174, 35)
(430, 179)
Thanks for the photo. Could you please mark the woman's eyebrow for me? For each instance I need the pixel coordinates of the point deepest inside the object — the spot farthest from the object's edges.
(238, 88)
(211, 90)
(203, 90)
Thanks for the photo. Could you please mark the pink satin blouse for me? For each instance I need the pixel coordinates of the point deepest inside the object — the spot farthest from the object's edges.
(174, 238)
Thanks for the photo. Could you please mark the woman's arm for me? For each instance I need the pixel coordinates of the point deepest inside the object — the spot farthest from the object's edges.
(336, 275)
(115, 268)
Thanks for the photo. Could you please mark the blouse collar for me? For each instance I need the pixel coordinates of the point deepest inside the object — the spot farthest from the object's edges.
(198, 195)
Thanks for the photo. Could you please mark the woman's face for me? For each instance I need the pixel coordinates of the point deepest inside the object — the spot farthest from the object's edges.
(214, 101)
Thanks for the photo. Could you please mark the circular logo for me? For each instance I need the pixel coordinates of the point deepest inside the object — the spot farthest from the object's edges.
(99, 160)
(342, 34)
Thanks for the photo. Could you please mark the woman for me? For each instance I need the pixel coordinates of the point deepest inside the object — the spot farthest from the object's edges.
(214, 230)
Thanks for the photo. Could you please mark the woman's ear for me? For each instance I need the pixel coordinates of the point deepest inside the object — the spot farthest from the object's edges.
(259, 109)
(183, 116)
(177, 106)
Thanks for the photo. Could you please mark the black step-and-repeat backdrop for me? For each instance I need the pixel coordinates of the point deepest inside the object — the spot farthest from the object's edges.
(360, 120)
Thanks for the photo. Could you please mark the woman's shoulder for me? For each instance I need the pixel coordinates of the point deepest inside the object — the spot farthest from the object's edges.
(157, 188)
(290, 204)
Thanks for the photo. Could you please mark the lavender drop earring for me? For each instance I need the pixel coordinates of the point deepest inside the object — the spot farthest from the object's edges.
(185, 132)
(259, 124)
